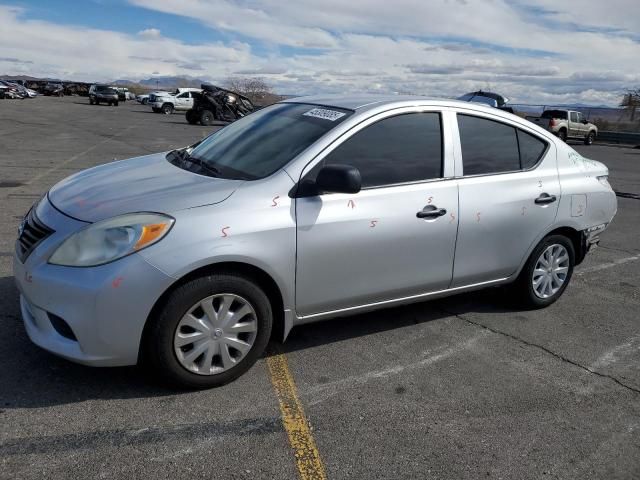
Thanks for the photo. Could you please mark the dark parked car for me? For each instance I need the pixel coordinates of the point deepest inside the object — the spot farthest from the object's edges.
(104, 94)
(54, 89)
(215, 103)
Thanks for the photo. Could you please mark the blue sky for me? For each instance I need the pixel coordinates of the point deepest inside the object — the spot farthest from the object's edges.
(531, 51)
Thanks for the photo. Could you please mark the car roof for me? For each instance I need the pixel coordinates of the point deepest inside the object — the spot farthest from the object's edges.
(365, 102)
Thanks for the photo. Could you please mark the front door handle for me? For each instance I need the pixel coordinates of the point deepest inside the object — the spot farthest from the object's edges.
(544, 199)
(431, 211)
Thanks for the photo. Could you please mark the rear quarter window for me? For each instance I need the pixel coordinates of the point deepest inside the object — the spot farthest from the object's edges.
(531, 149)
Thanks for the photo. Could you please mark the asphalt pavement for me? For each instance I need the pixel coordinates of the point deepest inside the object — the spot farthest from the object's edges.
(465, 387)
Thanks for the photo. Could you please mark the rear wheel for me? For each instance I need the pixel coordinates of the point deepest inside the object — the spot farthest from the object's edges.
(206, 118)
(562, 135)
(547, 272)
(115, 103)
(211, 330)
(167, 109)
(90, 102)
(145, 101)
(588, 140)
(97, 102)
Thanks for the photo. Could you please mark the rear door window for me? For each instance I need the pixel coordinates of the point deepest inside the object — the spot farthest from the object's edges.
(494, 147)
(487, 146)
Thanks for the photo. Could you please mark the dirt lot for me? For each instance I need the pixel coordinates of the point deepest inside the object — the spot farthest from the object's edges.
(460, 388)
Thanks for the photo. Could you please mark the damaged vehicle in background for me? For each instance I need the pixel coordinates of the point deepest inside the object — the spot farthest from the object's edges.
(216, 103)
(53, 89)
(487, 98)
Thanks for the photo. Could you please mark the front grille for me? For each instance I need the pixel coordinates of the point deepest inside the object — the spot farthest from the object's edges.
(33, 233)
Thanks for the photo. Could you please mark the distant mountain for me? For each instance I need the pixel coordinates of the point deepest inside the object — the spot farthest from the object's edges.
(164, 83)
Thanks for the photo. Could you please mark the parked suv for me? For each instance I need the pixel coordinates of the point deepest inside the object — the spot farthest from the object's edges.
(312, 208)
(104, 94)
(567, 124)
(181, 99)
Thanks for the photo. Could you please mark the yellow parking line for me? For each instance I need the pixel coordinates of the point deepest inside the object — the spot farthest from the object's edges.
(295, 422)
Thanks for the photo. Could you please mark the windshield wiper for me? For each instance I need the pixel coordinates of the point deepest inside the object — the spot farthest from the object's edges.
(185, 157)
(202, 164)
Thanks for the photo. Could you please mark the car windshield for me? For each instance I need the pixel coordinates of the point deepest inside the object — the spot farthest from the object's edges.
(265, 141)
(561, 114)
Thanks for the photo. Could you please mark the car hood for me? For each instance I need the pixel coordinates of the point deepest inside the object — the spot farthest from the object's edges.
(142, 184)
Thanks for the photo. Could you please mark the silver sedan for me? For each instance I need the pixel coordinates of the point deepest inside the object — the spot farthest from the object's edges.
(190, 261)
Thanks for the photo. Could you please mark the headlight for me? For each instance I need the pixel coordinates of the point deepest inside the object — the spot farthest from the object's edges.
(109, 240)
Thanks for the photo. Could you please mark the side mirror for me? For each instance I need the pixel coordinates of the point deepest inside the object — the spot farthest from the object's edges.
(585, 122)
(338, 179)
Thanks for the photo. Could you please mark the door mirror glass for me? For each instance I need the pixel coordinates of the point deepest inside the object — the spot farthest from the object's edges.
(338, 179)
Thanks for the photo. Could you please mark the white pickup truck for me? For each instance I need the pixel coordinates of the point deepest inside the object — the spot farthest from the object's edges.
(181, 99)
(566, 124)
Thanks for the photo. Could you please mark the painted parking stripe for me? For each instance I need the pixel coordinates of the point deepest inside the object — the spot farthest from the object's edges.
(295, 422)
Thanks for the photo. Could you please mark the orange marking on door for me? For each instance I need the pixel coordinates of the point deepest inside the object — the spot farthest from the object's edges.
(116, 282)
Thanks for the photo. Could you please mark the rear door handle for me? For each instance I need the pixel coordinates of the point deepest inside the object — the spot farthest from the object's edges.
(544, 199)
(431, 211)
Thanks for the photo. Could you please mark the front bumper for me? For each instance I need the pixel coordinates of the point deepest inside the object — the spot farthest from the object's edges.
(105, 307)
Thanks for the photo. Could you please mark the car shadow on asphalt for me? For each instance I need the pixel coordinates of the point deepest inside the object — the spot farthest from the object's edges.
(33, 378)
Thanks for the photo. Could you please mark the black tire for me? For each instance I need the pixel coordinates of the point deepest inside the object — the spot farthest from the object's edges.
(115, 103)
(588, 140)
(90, 102)
(145, 101)
(158, 355)
(523, 287)
(167, 109)
(206, 118)
(562, 135)
(192, 117)
(96, 101)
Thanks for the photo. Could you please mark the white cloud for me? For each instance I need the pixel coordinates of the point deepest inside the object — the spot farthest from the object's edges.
(149, 33)
(530, 53)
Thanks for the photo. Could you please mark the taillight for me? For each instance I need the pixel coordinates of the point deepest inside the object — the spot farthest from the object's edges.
(552, 122)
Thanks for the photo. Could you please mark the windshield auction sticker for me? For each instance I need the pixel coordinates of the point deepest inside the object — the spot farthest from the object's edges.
(325, 114)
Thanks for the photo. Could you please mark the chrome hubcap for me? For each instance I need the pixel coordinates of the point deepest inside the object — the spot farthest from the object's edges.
(215, 334)
(551, 271)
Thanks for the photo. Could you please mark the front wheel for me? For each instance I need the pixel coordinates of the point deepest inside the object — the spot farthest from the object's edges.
(167, 109)
(192, 117)
(206, 118)
(211, 330)
(588, 140)
(115, 103)
(547, 272)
